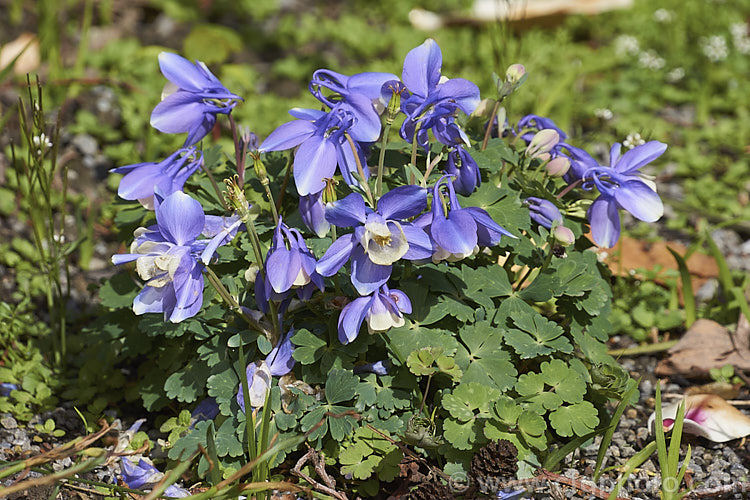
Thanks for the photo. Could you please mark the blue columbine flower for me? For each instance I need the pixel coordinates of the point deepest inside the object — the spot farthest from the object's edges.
(543, 212)
(206, 409)
(170, 258)
(289, 264)
(279, 362)
(430, 95)
(145, 475)
(199, 97)
(168, 176)
(322, 144)
(622, 186)
(457, 232)
(380, 237)
(378, 367)
(383, 310)
(344, 89)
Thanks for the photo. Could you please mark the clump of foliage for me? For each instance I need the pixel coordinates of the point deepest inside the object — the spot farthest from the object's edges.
(459, 245)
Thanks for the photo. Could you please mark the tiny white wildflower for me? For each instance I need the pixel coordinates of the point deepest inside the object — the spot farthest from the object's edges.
(676, 75)
(714, 48)
(41, 142)
(603, 114)
(738, 30)
(626, 45)
(632, 140)
(650, 60)
(662, 16)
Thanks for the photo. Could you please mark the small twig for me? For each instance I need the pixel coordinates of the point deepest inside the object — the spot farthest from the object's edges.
(297, 471)
(739, 487)
(573, 483)
(643, 349)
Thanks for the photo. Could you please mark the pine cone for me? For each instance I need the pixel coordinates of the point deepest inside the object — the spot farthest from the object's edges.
(497, 460)
(431, 489)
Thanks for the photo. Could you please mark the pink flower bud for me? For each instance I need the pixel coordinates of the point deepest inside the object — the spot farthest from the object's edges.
(563, 236)
(543, 142)
(557, 167)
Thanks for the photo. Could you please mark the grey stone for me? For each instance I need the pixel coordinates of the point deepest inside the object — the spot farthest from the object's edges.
(9, 422)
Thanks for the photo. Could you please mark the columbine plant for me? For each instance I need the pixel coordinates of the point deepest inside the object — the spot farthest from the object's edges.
(479, 327)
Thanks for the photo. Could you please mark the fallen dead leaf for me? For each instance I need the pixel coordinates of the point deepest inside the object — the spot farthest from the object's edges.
(26, 49)
(723, 389)
(631, 256)
(705, 345)
(706, 415)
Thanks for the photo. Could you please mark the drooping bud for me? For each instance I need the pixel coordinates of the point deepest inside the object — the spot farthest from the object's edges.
(543, 212)
(543, 142)
(563, 236)
(558, 166)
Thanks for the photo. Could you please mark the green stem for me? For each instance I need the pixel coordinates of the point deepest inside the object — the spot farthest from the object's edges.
(381, 160)
(360, 169)
(216, 188)
(255, 242)
(229, 300)
(240, 152)
(287, 174)
(643, 349)
(414, 146)
(488, 131)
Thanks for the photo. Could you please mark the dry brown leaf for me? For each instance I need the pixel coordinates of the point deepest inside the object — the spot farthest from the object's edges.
(707, 415)
(707, 345)
(26, 48)
(631, 255)
(723, 389)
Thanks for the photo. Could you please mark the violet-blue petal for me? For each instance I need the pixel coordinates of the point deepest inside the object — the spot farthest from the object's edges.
(640, 200)
(282, 268)
(420, 244)
(351, 318)
(489, 232)
(307, 114)
(422, 66)
(178, 112)
(347, 212)
(280, 360)
(136, 476)
(605, 221)
(188, 286)
(367, 126)
(288, 136)
(336, 256)
(403, 202)
(402, 301)
(640, 156)
(369, 83)
(315, 160)
(456, 234)
(180, 218)
(614, 154)
(367, 277)
(183, 73)
(460, 91)
(154, 300)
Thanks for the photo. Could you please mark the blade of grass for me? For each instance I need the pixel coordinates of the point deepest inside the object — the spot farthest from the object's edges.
(607, 437)
(659, 437)
(556, 456)
(213, 473)
(634, 462)
(674, 443)
(688, 297)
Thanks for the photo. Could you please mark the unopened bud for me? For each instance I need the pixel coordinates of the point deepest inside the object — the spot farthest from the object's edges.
(260, 170)
(515, 74)
(514, 78)
(558, 166)
(543, 212)
(563, 236)
(543, 142)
